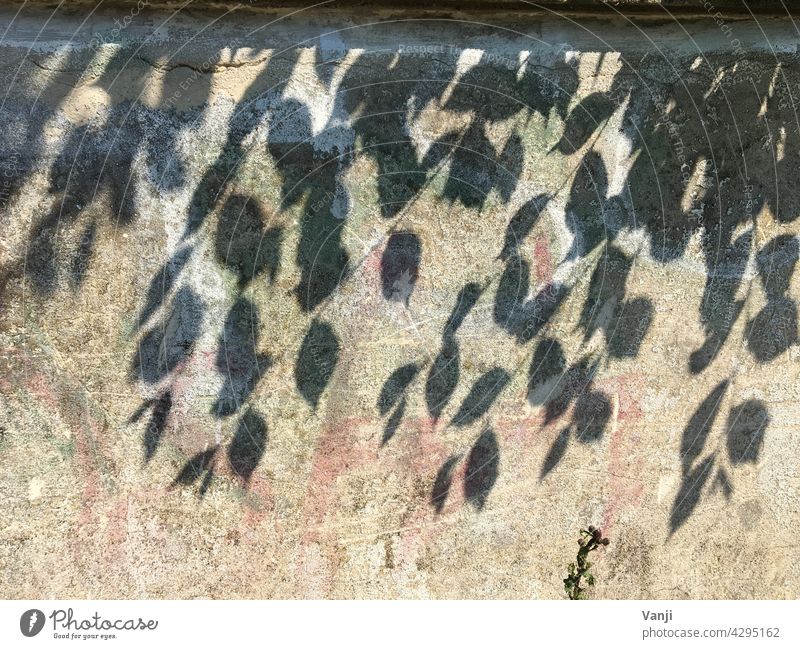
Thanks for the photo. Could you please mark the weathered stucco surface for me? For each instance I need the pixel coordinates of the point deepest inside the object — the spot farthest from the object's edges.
(358, 304)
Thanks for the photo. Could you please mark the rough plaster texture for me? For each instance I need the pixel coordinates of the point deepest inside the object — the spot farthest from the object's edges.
(362, 305)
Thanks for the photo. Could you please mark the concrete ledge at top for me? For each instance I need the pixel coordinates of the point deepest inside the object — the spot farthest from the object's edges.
(701, 7)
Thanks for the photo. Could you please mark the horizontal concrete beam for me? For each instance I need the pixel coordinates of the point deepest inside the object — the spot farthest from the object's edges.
(701, 7)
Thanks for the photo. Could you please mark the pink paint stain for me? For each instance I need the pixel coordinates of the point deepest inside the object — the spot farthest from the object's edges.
(543, 260)
(624, 484)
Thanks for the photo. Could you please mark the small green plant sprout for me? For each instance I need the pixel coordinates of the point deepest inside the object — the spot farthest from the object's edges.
(590, 540)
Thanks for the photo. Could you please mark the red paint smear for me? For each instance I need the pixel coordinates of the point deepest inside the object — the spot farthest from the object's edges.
(624, 486)
(91, 453)
(336, 454)
(339, 453)
(543, 260)
(118, 522)
(428, 455)
(256, 514)
(372, 265)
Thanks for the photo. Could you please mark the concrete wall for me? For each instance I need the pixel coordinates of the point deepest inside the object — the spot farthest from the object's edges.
(367, 303)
